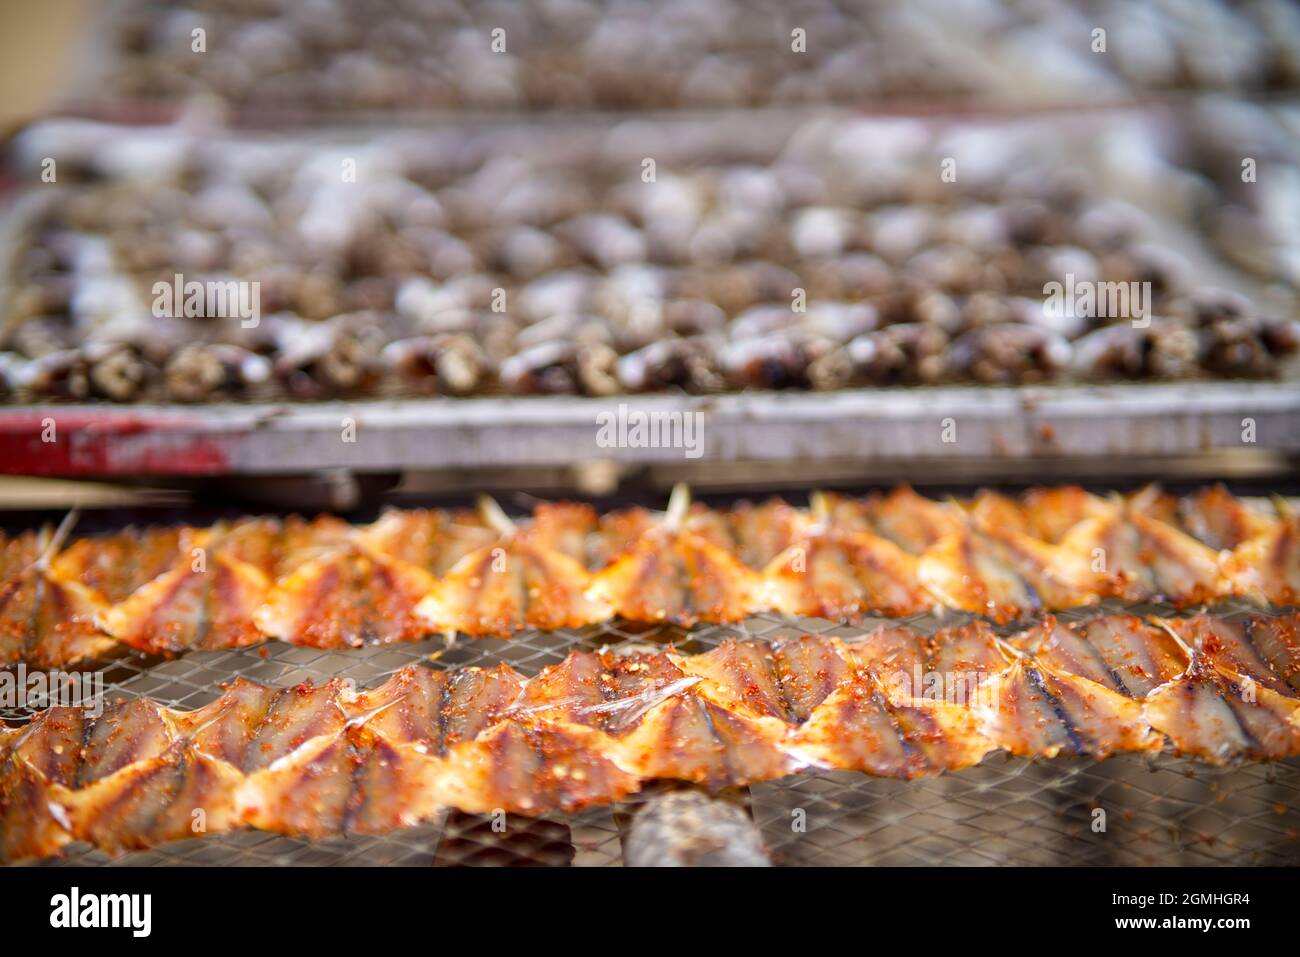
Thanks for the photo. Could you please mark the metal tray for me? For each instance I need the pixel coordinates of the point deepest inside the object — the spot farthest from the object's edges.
(1110, 424)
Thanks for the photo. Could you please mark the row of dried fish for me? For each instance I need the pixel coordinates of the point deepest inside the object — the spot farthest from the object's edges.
(318, 760)
(329, 56)
(410, 574)
(524, 265)
(346, 359)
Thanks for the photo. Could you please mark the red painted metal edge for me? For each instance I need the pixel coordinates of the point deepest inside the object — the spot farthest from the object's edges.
(108, 443)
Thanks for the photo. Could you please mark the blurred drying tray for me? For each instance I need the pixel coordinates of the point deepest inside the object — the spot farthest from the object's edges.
(1017, 69)
(1112, 423)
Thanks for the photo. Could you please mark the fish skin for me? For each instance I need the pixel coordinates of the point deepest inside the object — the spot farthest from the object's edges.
(914, 522)
(1210, 715)
(517, 583)
(677, 576)
(809, 668)
(1185, 571)
(429, 539)
(842, 575)
(1266, 568)
(331, 602)
(38, 773)
(127, 732)
(1277, 638)
(294, 716)
(176, 794)
(967, 571)
(1227, 645)
(1139, 655)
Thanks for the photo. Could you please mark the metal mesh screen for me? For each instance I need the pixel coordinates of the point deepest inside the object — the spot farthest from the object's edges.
(1160, 810)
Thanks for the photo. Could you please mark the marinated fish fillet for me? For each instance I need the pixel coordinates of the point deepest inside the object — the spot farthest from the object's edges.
(1202, 682)
(913, 522)
(38, 772)
(45, 620)
(690, 738)
(967, 570)
(111, 568)
(1277, 641)
(1061, 577)
(320, 760)
(1184, 570)
(1216, 716)
(206, 602)
(1111, 549)
(519, 582)
(835, 573)
(1036, 711)
(1262, 650)
(1048, 514)
(305, 792)
(673, 573)
(932, 686)
(428, 539)
(755, 534)
(1122, 653)
(345, 595)
(860, 727)
(1266, 567)
(530, 765)
(1221, 521)
(616, 533)
(568, 528)
(177, 794)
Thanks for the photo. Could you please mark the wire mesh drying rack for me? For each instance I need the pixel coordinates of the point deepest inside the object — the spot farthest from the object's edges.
(1159, 810)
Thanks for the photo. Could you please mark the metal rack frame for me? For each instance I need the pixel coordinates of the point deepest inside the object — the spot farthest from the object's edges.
(1107, 422)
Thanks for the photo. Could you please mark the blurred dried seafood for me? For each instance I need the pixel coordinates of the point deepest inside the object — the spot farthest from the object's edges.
(327, 56)
(529, 260)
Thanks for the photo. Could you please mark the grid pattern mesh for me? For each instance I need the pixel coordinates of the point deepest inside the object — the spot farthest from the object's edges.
(1158, 810)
